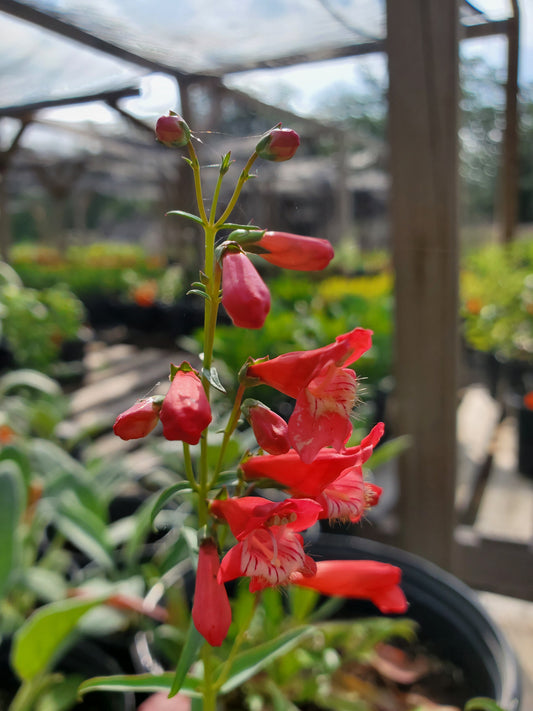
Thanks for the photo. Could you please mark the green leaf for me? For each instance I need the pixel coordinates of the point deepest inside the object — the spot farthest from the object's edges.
(182, 487)
(211, 376)
(188, 215)
(148, 683)
(248, 663)
(29, 379)
(188, 656)
(62, 696)
(85, 530)
(389, 450)
(40, 638)
(198, 293)
(11, 498)
(480, 703)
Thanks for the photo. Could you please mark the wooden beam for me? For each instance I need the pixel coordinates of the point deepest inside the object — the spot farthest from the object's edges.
(423, 98)
(20, 110)
(495, 565)
(509, 182)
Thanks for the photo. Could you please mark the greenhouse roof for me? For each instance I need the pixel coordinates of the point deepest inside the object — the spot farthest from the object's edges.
(63, 51)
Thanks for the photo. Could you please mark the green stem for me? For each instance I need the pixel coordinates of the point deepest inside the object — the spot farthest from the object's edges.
(195, 165)
(245, 174)
(228, 432)
(189, 469)
(209, 688)
(214, 201)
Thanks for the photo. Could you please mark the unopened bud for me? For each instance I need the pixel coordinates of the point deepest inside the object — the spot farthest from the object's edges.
(172, 131)
(278, 145)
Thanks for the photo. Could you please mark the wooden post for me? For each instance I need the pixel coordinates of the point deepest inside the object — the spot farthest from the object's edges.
(423, 73)
(509, 183)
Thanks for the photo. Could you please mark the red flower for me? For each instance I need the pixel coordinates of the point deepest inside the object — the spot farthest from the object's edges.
(366, 579)
(348, 497)
(172, 131)
(269, 551)
(291, 372)
(293, 251)
(138, 420)
(211, 611)
(270, 430)
(321, 417)
(310, 480)
(245, 296)
(279, 145)
(325, 390)
(185, 412)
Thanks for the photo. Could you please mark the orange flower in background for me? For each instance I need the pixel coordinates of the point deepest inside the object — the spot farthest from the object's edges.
(146, 293)
(6, 434)
(528, 400)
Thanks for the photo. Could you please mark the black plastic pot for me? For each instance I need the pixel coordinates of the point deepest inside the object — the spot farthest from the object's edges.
(452, 623)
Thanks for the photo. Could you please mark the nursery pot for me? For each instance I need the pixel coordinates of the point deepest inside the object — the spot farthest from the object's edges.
(451, 620)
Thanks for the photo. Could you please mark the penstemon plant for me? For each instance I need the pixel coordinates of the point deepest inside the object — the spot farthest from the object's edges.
(308, 459)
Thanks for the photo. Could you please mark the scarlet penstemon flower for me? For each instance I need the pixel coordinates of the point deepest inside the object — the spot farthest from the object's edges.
(307, 458)
(269, 549)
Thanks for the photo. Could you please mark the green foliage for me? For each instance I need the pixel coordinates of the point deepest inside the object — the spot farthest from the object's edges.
(34, 324)
(497, 299)
(115, 269)
(310, 313)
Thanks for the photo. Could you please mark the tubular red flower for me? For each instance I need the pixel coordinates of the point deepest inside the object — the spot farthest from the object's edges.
(366, 579)
(310, 479)
(211, 611)
(279, 145)
(269, 549)
(291, 372)
(348, 497)
(172, 131)
(321, 417)
(185, 412)
(138, 420)
(293, 251)
(270, 430)
(245, 296)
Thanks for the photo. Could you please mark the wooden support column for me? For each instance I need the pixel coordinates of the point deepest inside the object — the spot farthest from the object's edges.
(423, 73)
(509, 189)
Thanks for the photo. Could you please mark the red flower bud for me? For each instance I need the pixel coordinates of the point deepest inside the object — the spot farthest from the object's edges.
(245, 296)
(185, 412)
(139, 420)
(279, 145)
(172, 131)
(296, 252)
(270, 430)
(211, 611)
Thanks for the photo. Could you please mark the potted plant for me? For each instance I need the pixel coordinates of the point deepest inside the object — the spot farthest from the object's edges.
(310, 466)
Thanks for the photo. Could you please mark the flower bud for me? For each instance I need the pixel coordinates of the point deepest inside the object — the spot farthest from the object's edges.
(172, 131)
(245, 296)
(211, 611)
(278, 145)
(270, 430)
(185, 412)
(139, 420)
(290, 251)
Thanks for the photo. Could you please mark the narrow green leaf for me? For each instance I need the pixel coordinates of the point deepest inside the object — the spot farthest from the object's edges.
(482, 704)
(85, 530)
(188, 215)
(198, 293)
(234, 226)
(44, 632)
(148, 683)
(187, 657)
(29, 379)
(248, 663)
(212, 377)
(182, 487)
(11, 497)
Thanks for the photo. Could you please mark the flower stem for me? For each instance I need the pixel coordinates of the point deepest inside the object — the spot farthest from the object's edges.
(195, 165)
(245, 174)
(230, 429)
